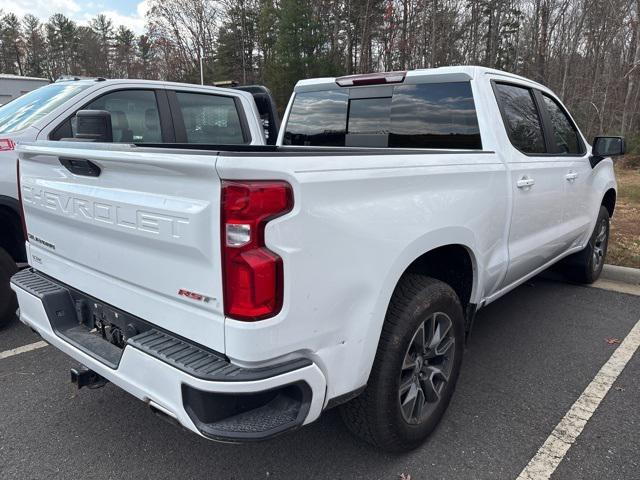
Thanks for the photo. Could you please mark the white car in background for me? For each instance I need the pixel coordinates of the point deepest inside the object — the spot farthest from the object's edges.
(142, 112)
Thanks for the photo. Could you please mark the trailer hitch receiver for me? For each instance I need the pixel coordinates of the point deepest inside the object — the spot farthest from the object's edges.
(83, 377)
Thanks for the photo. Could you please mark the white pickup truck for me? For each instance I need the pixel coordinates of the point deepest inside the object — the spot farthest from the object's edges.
(242, 290)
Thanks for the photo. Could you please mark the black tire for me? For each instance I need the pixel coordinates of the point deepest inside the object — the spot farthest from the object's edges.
(586, 265)
(377, 416)
(8, 302)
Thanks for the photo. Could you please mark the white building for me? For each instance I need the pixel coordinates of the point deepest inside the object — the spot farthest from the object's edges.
(12, 86)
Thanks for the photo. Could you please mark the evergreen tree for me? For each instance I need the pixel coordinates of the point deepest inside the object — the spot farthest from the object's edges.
(11, 42)
(34, 45)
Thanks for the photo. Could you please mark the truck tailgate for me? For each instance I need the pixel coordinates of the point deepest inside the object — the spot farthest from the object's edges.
(140, 232)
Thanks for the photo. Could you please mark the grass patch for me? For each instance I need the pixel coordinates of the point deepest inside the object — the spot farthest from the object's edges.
(624, 243)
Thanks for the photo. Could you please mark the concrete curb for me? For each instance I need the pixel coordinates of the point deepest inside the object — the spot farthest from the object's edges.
(621, 274)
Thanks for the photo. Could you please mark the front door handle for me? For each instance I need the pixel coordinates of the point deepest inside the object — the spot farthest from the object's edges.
(525, 182)
(571, 176)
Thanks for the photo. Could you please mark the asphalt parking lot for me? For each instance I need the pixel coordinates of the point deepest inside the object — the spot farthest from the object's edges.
(532, 354)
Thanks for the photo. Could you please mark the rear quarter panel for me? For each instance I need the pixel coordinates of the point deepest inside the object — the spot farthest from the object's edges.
(358, 222)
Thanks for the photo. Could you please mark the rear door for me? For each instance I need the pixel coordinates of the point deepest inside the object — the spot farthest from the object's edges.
(208, 119)
(137, 235)
(537, 179)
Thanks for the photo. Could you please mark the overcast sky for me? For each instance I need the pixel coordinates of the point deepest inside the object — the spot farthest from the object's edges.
(122, 12)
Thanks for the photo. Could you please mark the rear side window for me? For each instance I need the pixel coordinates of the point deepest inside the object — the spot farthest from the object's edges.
(318, 119)
(564, 132)
(210, 119)
(435, 115)
(521, 118)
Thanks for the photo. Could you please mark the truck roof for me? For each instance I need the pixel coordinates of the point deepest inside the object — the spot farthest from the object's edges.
(443, 74)
(150, 83)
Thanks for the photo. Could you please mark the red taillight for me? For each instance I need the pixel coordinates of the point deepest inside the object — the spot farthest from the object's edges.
(253, 276)
(371, 79)
(6, 144)
(24, 224)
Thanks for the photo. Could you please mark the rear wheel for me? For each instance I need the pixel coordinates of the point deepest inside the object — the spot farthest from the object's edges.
(8, 302)
(415, 369)
(586, 265)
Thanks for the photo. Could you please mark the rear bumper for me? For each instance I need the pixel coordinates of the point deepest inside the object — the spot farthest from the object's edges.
(231, 404)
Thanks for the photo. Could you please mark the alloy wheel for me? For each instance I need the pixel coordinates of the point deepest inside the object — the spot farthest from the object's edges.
(600, 245)
(426, 368)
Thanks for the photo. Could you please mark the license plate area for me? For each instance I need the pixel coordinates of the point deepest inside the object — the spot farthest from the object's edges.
(106, 322)
(94, 327)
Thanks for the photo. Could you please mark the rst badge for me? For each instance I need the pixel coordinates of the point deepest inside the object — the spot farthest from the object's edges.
(194, 296)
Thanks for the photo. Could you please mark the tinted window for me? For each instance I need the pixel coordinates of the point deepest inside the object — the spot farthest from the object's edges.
(369, 116)
(318, 119)
(134, 115)
(564, 133)
(210, 119)
(25, 110)
(438, 115)
(521, 118)
(434, 115)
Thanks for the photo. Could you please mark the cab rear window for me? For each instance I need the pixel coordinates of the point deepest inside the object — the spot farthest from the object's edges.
(429, 115)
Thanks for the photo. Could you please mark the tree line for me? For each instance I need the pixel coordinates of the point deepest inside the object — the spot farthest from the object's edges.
(587, 51)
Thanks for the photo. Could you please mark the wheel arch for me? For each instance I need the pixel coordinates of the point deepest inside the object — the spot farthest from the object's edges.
(12, 237)
(454, 264)
(609, 201)
(429, 256)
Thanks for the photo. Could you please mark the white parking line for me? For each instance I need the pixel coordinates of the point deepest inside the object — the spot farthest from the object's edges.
(23, 349)
(554, 449)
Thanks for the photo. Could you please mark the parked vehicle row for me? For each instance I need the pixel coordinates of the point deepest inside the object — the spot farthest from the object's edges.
(142, 112)
(244, 289)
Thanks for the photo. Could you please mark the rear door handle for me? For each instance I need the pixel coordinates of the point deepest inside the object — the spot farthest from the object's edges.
(571, 176)
(525, 182)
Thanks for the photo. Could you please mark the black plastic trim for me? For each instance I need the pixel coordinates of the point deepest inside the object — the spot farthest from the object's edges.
(248, 417)
(67, 309)
(345, 397)
(205, 364)
(80, 166)
(180, 132)
(295, 151)
(166, 120)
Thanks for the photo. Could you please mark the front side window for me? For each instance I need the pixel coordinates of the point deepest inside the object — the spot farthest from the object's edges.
(565, 134)
(134, 115)
(210, 119)
(521, 118)
(430, 115)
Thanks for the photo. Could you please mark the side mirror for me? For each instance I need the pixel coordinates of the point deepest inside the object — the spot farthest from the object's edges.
(606, 147)
(93, 126)
(609, 146)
